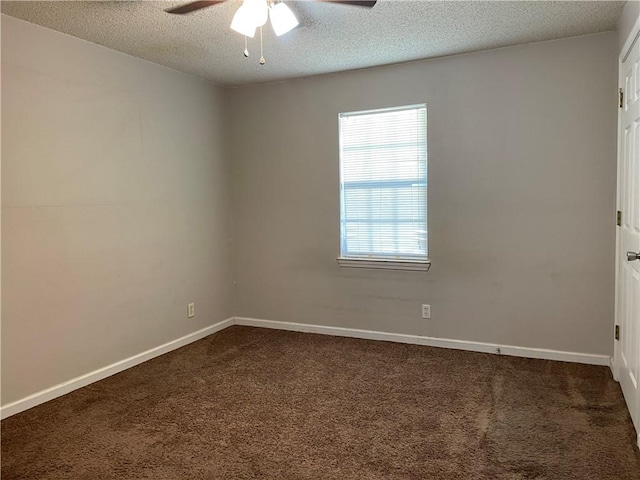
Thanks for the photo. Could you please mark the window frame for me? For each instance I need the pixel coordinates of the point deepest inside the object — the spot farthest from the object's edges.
(372, 261)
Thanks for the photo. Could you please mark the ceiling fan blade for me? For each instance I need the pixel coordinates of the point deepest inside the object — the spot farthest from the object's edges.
(355, 3)
(193, 6)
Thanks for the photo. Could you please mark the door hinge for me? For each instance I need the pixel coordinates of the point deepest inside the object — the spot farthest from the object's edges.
(617, 335)
(619, 218)
(620, 98)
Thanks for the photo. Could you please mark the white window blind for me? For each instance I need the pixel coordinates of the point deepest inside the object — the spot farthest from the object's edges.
(383, 183)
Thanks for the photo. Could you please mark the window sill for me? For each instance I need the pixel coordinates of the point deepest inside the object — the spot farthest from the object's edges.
(410, 265)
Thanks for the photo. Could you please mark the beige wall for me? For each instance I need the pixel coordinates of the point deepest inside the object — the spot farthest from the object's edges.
(629, 17)
(522, 165)
(115, 207)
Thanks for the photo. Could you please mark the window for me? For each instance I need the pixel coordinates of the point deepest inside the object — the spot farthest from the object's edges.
(383, 188)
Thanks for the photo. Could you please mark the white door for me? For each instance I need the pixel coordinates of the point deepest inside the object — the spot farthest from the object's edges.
(628, 268)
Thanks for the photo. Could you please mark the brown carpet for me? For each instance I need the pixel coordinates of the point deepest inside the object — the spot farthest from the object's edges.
(265, 404)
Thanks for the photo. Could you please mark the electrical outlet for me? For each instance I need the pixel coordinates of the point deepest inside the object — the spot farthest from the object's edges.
(426, 311)
(191, 310)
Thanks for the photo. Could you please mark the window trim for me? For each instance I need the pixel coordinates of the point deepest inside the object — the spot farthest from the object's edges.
(384, 264)
(373, 262)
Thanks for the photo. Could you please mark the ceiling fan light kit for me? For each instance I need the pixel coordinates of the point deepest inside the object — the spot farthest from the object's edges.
(282, 19)
(243, 23)
(253, 14)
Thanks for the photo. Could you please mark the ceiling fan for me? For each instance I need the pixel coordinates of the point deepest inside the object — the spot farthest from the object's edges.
(253, 14)
(194, 6)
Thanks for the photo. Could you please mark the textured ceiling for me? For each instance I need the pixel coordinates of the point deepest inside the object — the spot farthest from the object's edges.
(330, 37)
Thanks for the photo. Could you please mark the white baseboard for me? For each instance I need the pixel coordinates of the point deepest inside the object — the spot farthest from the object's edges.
(612, 366)
(91, 377)
(540, 353)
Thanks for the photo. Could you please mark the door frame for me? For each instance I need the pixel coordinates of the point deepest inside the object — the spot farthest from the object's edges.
(633, 37)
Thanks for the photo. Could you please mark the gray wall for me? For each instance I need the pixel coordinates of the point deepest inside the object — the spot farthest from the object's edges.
(124, 185)
(115, 207)
(522, 165)
(629, 16)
